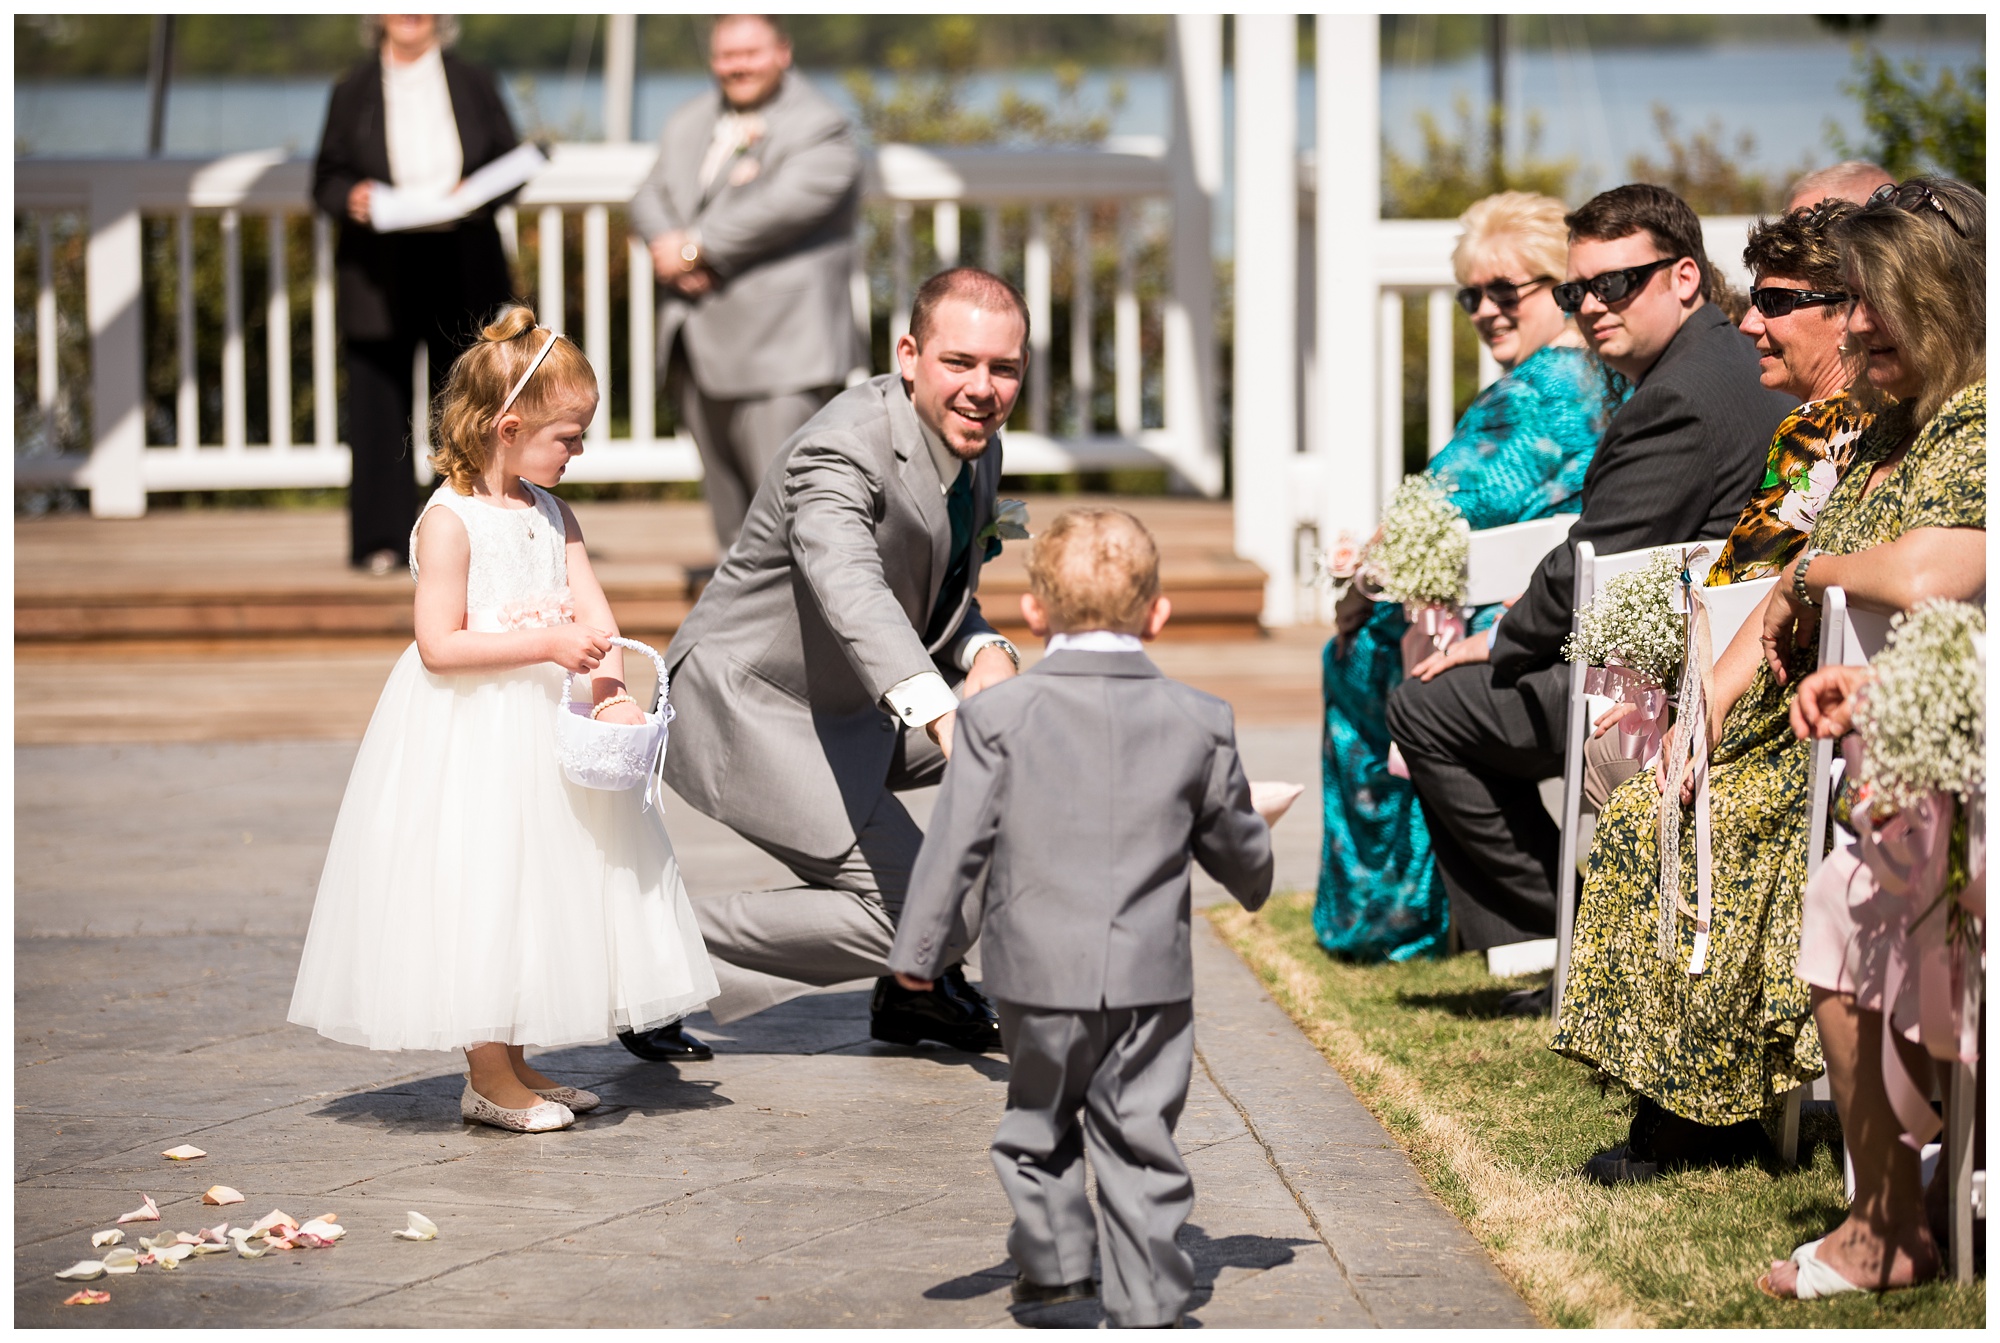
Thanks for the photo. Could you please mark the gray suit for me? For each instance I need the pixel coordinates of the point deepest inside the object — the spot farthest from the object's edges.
(778, 676)
(772, 341)
(1076, 796)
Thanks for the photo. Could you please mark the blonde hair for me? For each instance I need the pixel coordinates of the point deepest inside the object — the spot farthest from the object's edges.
(1513, 226)
(1923, 272)
(1095, 569)
(480, 379)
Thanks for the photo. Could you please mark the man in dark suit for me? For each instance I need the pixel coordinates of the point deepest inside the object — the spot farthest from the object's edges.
(1482, 722)
(749, 217)
(417, 117)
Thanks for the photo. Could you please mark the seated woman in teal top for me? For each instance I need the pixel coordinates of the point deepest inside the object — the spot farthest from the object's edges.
(1519, 453)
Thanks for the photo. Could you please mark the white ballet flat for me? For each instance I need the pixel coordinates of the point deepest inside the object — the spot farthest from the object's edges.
(576, 1098)
(1816, 1280)
(476, 1109)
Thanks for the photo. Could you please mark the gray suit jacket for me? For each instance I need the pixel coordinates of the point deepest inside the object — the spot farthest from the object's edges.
(1077, 792)
(781, 244)
(818, 609)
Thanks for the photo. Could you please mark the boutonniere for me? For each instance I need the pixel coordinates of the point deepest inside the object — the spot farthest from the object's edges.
(1010, 523)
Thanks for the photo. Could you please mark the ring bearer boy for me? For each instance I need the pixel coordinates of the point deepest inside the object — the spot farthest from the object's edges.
(1078, 792)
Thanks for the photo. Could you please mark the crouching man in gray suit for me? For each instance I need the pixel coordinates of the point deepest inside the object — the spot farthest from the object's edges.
(813, 677)
(1076, 796)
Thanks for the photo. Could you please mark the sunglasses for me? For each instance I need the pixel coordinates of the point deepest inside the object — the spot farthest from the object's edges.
(1506, 295)
(1914, 197)
(1609, 287)
(1782, 302)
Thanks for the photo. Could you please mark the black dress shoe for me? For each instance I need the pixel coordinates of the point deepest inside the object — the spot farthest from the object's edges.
(666, 1044)
(1618, 1166)
(1526, 1003)
(951, 1012)
(1028, 1293)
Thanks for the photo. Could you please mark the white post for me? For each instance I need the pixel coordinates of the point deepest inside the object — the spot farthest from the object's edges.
(549, 249)
(1125, 332)
(1037, 290)
(187, 395)
(1265, 418)
(1348, 173)
(597, 313)
(621, 51)
(47, 362)
(1082, 317)
(1437, 331)
(900, 248)
(1195, 163)
(278, 338)
(640, 309)
(117, 350)
(944, 233)
(326, 432)
(234, 389)
(1389, 395)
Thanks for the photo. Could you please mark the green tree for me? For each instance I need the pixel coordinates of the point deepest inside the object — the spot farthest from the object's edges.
(1706, 174)
(1915, 125)
(1452, 170)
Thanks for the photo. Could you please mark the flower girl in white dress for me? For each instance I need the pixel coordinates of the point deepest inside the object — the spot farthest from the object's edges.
(472, 896)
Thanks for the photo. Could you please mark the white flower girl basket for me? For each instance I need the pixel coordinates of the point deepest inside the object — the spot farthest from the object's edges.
(615, 756)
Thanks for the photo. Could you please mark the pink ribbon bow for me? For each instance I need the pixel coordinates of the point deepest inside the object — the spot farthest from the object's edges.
(1433, 628)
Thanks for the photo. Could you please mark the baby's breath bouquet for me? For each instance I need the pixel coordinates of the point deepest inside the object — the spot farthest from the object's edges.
(1418, 558)
(1632, 623)
(1923, 716)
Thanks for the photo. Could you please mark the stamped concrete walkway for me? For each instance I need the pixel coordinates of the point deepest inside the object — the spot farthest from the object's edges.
(805, 1177)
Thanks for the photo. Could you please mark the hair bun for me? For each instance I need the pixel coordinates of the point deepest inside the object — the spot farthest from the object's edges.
(511, 324)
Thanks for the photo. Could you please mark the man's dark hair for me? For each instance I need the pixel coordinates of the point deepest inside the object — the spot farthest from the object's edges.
(1797, 246)
(772, 21)
(981, 288)
(1640, 207)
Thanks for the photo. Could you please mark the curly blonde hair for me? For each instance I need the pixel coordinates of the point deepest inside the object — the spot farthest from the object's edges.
(469, 410)
(1512, 226)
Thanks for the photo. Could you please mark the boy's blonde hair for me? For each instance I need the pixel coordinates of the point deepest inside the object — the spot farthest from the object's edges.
(480, 379)
(1095, 569)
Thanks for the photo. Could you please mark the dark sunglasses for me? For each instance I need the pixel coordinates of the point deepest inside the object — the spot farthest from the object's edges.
(1609, 287)
(1504, 293)
(1782, 302)
(1914, 197)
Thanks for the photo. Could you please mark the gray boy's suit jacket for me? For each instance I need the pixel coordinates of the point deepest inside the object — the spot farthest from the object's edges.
(781, 243)
(1078, 792)
(816, 612)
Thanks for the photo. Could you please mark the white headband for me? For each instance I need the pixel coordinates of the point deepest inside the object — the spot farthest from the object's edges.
(533, 364)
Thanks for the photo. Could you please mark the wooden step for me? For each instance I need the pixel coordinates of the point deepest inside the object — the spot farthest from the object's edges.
(277, 575)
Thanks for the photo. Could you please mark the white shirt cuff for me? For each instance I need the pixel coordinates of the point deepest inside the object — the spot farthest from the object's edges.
(969, 647)
(920, 699)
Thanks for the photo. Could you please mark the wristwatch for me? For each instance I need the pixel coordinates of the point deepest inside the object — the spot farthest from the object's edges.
(1013, 653)
(1799, 576)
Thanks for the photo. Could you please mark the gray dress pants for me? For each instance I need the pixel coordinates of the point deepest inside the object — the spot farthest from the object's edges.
(839, 922)
(1126, 1070)
(738, 437)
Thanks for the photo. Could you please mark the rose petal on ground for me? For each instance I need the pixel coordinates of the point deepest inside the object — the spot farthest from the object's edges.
(323, 1228)
(83, 1270)
(146, 1261)
(183, 1153)
(111, 1237)
(215, 1233)
(420, 1228)
(186, 1238)
(244, 1250)
(271, 1219)
(86, 1297)
(211, 1247)
(149, 1211)
(169, 1255)
(121, 1261)
(219, 1195)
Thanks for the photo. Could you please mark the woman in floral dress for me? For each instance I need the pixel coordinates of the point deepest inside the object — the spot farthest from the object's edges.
(1707, 1054)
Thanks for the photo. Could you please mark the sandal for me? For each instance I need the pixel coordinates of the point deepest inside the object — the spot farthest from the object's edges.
(1816, 1280)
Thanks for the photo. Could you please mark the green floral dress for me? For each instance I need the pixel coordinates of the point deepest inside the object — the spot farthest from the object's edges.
(1723, 1045)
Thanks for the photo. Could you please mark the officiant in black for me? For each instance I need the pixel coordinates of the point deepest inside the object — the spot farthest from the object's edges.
(416, 117)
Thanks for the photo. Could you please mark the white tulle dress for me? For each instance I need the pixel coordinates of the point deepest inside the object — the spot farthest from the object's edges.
(471, 893)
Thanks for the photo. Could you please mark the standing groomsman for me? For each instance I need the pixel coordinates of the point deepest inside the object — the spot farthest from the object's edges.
(749, 214)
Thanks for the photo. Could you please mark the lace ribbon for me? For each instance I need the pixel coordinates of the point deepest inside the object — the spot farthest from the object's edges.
(1688, 753)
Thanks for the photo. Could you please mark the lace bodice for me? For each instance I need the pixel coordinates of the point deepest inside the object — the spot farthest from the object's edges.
(518, 578)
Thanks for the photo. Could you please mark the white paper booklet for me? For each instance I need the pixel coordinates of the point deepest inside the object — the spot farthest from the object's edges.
(392, 211)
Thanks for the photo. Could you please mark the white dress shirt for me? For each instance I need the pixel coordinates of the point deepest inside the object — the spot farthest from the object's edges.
(1096, 641)
(924, 698)
(425, 155)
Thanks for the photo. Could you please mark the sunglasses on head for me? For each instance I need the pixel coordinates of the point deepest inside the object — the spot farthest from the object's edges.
(1504, 293)
(1782, 302)
(1609, 287)
(1914, 197)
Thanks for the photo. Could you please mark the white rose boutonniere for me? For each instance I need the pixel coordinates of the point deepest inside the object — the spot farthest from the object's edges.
(1010, 523)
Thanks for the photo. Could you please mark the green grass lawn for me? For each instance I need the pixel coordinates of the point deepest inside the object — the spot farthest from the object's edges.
(1499, 1126)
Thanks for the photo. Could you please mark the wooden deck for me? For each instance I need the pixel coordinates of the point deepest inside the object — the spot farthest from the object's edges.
(247, 624)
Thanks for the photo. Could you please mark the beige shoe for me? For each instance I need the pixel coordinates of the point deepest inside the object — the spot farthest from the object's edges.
(476, 1109)
(575, 1098)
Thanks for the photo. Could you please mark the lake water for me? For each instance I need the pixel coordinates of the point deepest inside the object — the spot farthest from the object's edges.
(1594, 107)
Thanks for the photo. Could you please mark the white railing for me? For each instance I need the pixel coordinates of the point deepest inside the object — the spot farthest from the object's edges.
(266, 190)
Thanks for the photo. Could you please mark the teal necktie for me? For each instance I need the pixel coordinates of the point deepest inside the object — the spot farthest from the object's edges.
(958, 508)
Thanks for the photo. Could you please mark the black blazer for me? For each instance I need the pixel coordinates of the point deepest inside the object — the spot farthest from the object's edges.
(379, 296)
(1679, 460)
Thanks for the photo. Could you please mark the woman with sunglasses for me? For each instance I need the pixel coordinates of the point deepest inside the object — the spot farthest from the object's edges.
(1518, 453)
(1708, 1055)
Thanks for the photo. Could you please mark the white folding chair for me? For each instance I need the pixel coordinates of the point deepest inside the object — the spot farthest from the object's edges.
(1593, 571)
(1499, 562)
